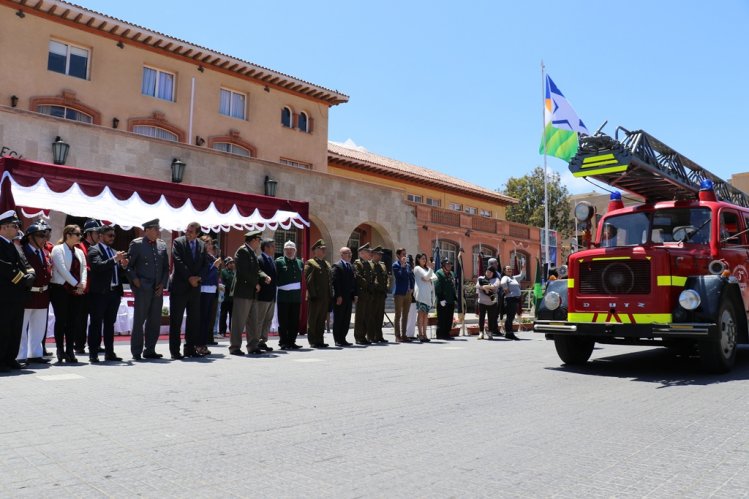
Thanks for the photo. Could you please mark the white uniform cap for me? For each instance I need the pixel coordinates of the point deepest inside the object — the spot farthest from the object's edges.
(289, 244)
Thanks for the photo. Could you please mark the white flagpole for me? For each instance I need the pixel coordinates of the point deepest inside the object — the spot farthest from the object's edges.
(545, 241)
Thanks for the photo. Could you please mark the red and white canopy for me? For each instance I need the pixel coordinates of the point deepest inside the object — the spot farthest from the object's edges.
(128, 201)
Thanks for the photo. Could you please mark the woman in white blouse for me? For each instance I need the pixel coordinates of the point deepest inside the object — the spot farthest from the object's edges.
(424, 293)
(66, 289)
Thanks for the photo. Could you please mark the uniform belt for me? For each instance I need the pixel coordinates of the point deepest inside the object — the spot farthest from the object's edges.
(39, 290)
(290, 287)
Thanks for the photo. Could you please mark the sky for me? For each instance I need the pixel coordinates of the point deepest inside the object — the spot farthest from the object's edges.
(456, 86)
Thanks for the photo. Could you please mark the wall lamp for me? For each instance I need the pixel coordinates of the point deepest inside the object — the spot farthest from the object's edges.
(199, 140)
(201, 68)
(270, 186)
(20, 13)
(266, 88)
(60, 151)
(468, 233)
(120, 44)
(425, 227)
(115, 122)
(13, 100)
(178, 170)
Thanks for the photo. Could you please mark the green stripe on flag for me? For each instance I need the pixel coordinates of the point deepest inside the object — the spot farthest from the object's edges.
(559, 143)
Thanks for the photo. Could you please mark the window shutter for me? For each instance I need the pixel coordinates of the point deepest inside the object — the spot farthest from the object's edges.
(310, 123)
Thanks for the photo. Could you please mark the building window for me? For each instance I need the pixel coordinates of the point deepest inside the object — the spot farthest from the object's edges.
(471, 210)
(281, 236)
(65, 112)
(232, 149)
(303, 122)
(68, 59)
(296, 164)
(449, 250)
(286, 116)
(232, 104)
(155, 132)
(486, 252)
(486, 213)
(354, 241)
(456, 206)
(434, 202)
(157, 83)
(415, 198)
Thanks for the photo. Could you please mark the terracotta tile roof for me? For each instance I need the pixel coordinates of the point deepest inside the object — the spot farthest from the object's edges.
(365, 160)
(126, 32)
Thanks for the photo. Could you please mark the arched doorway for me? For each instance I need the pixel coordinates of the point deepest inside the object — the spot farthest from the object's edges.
(318, 230)
(375, 235)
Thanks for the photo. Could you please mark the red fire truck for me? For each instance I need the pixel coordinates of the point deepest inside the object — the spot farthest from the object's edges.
(671, 272)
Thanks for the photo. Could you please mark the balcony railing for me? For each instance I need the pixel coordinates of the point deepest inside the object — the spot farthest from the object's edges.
(484, 224)
(520, 232)
(445, 217)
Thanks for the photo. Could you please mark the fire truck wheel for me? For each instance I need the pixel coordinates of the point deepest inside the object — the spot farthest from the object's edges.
(719, 356)
(573, 350)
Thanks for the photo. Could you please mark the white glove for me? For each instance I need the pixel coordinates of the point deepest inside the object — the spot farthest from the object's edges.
(443, 303)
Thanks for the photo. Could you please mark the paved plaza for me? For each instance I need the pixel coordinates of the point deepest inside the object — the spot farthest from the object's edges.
(466, 418)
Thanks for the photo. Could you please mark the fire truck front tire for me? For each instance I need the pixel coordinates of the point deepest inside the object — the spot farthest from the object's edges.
(718, 356)
(573, 350)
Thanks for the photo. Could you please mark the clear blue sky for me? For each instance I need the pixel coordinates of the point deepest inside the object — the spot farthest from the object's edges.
(456, 86)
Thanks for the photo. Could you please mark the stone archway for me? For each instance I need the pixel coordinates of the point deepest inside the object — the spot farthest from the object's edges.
(318, 230)
(372, 233)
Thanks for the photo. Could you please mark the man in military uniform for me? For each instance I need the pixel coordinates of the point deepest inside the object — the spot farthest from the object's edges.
(37, 301)
(289, 271)
(16, 278)
(364, 288)
(381, 288)
(317, 274)
(246, 286)
(148, 274)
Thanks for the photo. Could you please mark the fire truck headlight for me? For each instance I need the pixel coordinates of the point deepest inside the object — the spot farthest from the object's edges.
(689, 299)
(552, 300)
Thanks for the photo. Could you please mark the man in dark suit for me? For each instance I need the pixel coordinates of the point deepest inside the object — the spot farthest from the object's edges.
(265, 301)
(246, 286)
(16, 278)
(90, 238)
(104, 293)
(189, 258)
(344, 294)
(148, 273)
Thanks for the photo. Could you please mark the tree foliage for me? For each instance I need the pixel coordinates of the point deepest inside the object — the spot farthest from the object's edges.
(529, 191)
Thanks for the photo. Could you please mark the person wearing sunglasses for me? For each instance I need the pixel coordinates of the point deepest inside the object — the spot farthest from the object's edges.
(67, 288)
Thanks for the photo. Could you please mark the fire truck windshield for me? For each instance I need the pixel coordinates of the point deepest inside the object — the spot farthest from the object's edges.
(686, 225)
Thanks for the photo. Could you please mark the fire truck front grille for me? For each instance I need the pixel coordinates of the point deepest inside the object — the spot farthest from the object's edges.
(615, 277)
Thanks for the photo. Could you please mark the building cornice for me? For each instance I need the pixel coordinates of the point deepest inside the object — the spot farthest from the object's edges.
(127, 33)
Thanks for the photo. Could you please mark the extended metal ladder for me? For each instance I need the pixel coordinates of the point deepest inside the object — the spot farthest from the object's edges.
(642, 164)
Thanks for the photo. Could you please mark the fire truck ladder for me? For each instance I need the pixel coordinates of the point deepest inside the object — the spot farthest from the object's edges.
(643, 165)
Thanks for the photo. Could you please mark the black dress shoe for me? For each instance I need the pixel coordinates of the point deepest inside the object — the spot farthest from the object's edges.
(511, 336)
(94, 360)
(70, 358)
(295, 346)
(363, 342)
(113, 358)
(81, 351)
(152, 355)
(264, 346)
(15, 365)
(239, 353)
(212, 343)
(38, 360)
(137, 356)
(406, 339)
(320, 345)
(383, 340)
(257, 351)
(48, 354)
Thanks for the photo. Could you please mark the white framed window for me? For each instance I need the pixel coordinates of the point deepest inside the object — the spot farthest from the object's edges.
(471, 210)
(354, 241)
(434, 202)
(448, 250)
(281, 236)
(157, 83)
(296, 164)
(303, 122)
(486, 213)
(415, 198)
(68, 59)
(155, 132)
(456, 206)
(286, 117)
(232, 104)
(65, 112)
(232, 149)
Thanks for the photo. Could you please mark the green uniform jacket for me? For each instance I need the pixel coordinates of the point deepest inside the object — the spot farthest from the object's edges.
(288, 272)
(382, 278)
(248, 273)
(444, 288)
(319, 280)
(364, 275)
(227, 279)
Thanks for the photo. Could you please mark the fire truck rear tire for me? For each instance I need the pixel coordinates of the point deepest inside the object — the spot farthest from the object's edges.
(573, 350)
(719, 356)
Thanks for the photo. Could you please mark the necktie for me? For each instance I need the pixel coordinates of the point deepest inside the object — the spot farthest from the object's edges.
(41, 257)
(115, 280)
(192, 248)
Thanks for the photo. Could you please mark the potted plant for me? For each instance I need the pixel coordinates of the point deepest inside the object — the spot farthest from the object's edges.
(165, 316)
